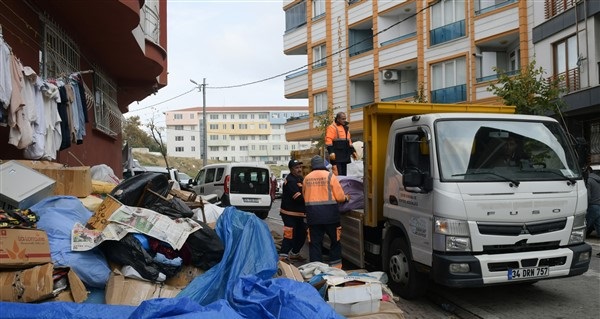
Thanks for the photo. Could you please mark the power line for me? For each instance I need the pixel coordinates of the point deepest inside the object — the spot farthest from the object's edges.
(296, 69)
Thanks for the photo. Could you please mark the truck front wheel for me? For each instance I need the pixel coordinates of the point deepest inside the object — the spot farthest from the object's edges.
(404, 280)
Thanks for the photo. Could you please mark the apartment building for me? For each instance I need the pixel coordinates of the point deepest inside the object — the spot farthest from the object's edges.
(234, 133)
(364, 51)
(115, 50)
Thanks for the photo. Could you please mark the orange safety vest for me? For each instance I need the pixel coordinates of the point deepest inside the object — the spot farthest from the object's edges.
(335, 132)
(322, 192)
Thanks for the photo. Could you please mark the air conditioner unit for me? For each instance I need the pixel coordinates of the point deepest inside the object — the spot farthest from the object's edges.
(390, 75)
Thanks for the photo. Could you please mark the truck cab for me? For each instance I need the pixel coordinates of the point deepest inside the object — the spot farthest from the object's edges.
(473, 199)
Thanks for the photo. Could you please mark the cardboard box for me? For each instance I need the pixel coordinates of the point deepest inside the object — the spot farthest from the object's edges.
(184, 276)
(285, 270)
(99, 219)
(20, 248)
(73, 181)
(37, 284)
(121, 290)
(22, 187)
(353, 295)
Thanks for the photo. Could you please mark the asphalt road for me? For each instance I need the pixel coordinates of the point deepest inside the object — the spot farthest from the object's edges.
(574, 297)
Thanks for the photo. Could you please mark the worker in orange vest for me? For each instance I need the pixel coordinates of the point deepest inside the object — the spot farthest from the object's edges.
(322, 192)
(339, 144)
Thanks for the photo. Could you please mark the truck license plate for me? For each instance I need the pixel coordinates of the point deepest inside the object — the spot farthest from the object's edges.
(250, 200)
(528, 273)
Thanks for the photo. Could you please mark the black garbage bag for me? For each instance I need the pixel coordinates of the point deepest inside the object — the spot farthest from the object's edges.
(203, 248)
(174, 208)
(129, 251)
(131, 190)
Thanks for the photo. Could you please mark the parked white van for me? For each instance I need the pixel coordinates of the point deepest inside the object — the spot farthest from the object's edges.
(243, 185)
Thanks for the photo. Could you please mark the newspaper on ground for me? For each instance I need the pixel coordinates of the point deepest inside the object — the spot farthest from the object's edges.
(128, 219)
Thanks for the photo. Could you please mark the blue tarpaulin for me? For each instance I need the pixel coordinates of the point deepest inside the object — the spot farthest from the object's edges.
(240, 286)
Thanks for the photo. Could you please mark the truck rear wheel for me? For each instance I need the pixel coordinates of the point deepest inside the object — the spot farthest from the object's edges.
(404, 279)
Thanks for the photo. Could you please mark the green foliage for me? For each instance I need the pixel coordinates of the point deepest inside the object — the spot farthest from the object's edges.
(137, 137)
(323, 121)
(528, 90)
(421, 96)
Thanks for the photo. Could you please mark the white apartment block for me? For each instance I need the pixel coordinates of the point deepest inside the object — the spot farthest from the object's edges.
(360, 52)
(234, 133)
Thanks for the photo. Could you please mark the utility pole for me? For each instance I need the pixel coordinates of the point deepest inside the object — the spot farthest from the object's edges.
(202, 88)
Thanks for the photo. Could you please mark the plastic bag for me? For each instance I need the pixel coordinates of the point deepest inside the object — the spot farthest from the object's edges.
(104, 173)
(130, 191)
(174, 208)
(204, 247)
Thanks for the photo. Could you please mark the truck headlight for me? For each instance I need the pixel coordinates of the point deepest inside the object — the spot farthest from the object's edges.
(578, 230)
(451, 235)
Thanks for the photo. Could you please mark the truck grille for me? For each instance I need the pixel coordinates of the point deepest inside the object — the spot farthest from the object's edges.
(520, 246)
(521, 229)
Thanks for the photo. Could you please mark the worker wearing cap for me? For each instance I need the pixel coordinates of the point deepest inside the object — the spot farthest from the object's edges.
(293, 212)
(339, 144)
(322, 193)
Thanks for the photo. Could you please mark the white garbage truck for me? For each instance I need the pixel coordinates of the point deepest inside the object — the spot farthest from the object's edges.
(466, 196)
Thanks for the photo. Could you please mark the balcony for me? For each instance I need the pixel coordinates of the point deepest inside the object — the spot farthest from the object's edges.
(452, 94)
(295, 37)
(402, 85)
(568, 81)
(296, 85)
(362, 91)
(447, 33)
(360, 38)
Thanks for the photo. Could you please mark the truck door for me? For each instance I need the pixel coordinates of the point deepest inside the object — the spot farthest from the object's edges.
(410, 202)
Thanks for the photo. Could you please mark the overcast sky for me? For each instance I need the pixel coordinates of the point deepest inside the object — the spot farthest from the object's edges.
(229, 43)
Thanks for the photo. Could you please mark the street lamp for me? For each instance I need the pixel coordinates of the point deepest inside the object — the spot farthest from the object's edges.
(202, 87)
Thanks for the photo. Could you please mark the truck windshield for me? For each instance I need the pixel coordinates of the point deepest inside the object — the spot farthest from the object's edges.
(479, 150)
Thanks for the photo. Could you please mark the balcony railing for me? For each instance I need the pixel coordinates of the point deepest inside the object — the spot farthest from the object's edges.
(447, 33)
(555, 7)
(400, 38)
(495, 76)
(360, 105)
(568, 81)
(494, 7)
(296, 74)
(451, 94)
(399, 97)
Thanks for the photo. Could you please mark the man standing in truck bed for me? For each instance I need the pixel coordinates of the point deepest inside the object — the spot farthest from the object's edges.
(339, 144)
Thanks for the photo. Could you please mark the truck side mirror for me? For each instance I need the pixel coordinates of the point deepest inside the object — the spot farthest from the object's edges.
(415, 178)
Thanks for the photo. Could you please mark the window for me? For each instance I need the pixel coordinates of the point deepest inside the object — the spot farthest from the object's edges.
(233, 148)
(214, 126)
(447, 21)
(295, 16)
(252, 116)
(263, 137)
(262, 126)
(214, 137)
(243, 148)
(107, 116)
(412, 152)
(320, 103)
(566, 59)
(263, 116)
(193, 137)
(483, 6)
(262, 147)
(276, 147)
(178, 127)
(224, 137)
(243, 116)
(192, 116)
(178, 116)
(449, 81)
(213, 148)
(318, 8)
(193, 148)
(178, 138)
(179, 149)
(213, 116)
(243, 126)
(319, 56)
(243, 138)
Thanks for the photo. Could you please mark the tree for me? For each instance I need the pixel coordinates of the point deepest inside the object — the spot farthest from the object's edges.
(135, 136)
(528, 90)
(421, 96)
(158, 139)
(323, 121)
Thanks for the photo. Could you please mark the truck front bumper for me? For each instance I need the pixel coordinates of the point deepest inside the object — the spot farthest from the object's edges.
(494, 269)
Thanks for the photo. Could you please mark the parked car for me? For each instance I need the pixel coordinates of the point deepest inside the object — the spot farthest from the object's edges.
(243, 185)
(184, 181)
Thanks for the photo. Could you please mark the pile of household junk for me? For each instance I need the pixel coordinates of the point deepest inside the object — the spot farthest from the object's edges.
(140, 249)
